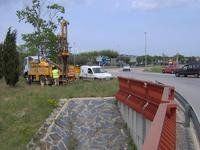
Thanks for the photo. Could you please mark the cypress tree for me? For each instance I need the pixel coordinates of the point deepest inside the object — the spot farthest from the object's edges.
(1, 60)
(11, 58)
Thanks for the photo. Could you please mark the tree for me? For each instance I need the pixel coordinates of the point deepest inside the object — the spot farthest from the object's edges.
(43, 38)
(22, 50)
(10, 58)
(1, 60)
(124, 59)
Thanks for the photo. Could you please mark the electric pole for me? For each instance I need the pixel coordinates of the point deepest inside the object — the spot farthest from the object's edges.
(145, 36)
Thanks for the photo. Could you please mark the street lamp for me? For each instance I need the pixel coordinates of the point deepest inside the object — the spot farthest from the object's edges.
(145, 36)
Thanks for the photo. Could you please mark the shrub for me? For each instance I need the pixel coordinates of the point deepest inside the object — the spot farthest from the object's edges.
(10, 58)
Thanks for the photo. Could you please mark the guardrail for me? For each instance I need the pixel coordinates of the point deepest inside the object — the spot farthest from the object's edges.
(189, 114)
(150, 113)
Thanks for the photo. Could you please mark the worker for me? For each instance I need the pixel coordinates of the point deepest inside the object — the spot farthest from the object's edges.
(55, 74)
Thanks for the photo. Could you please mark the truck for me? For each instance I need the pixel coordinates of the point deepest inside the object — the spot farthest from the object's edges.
(189, 69)
(94, 72)
(39, 68)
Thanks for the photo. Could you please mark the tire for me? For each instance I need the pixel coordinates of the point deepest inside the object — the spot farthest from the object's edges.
(177, 74)
(185, 75)
(29, 80)
(196, 75)
(42, 80)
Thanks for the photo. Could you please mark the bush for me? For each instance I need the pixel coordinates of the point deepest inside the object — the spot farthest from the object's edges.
(53, 102)
(1, 60)
(10, 58)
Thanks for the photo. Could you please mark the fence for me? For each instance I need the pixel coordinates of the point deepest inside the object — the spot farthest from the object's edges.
(150, 113)
(190, 115)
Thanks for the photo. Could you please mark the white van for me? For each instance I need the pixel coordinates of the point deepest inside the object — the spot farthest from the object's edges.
(94, 72)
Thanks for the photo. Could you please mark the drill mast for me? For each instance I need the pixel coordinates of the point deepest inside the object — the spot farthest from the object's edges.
(64, 47)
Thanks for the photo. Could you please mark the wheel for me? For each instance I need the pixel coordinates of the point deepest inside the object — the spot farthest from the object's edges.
(42, 80)
(196, 75)
(177, 74)
(29, 80)
(185, 75)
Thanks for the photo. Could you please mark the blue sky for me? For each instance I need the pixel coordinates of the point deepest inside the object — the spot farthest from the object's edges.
(172, 25)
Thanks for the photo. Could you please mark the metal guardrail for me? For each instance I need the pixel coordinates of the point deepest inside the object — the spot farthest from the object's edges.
(189, 113)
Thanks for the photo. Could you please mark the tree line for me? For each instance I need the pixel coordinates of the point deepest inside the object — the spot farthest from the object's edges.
(164, 60)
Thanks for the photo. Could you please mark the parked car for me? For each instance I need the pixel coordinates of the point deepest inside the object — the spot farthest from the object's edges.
(189, 69)
(94, 72)
(126, 68)
(169, 69)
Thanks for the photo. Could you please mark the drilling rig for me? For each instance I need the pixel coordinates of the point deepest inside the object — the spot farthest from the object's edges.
(63, 51)
(41, 69)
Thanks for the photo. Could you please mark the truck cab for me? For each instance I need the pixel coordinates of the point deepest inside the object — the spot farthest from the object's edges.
(94, 72)
(26, 64)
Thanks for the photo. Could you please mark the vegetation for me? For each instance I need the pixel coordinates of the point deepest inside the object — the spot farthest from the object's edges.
(164, 59)
(1, 60)
(10, 59)
(24, 108)
(44, 18)
(90, 57)
(109, 53)
(156, 69)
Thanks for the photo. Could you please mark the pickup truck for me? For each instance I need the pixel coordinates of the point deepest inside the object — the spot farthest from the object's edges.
(189, 69)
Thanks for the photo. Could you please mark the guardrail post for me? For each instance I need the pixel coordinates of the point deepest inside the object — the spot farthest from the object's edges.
(187, 115)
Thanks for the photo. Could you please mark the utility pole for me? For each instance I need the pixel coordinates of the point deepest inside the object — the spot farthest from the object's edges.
(74, 53)
(145, 36)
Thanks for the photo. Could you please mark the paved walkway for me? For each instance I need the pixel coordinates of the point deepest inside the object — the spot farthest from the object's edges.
(87, 124)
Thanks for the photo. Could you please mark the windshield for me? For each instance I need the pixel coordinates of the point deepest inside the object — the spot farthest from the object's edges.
(98, 70)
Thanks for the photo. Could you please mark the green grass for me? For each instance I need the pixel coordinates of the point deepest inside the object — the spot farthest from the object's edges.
(156, 69)
(24, 108)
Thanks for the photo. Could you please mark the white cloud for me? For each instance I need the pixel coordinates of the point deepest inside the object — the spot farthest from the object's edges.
(155, 4)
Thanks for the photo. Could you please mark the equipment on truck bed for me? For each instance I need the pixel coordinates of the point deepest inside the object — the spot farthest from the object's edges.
(39, 68)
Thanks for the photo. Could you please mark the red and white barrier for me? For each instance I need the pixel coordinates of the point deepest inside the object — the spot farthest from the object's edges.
(150, 113)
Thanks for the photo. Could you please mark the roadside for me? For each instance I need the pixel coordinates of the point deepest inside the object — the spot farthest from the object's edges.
(155, 69)
(23, 109)
(87, 123)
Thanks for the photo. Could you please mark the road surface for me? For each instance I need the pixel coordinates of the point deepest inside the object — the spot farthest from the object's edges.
(188, 87)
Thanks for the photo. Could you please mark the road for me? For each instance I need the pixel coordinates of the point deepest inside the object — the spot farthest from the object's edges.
(188, 87)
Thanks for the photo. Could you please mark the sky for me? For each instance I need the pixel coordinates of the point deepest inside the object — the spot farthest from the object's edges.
(172, 26)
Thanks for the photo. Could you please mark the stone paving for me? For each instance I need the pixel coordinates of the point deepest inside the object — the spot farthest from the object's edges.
(87, 124)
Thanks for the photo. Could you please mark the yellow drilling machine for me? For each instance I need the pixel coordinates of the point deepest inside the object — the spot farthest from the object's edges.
(39, 68)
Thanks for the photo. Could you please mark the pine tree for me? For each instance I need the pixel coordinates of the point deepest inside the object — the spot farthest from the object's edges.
(11, 58)
(1, 60)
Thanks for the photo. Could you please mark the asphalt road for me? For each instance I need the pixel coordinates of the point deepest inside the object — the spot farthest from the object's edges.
(188, 87)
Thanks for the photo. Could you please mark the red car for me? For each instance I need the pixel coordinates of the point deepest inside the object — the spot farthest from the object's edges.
(169, 69)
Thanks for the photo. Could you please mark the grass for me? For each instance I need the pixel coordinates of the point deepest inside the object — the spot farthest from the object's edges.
(24, 108)
(156, 69)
